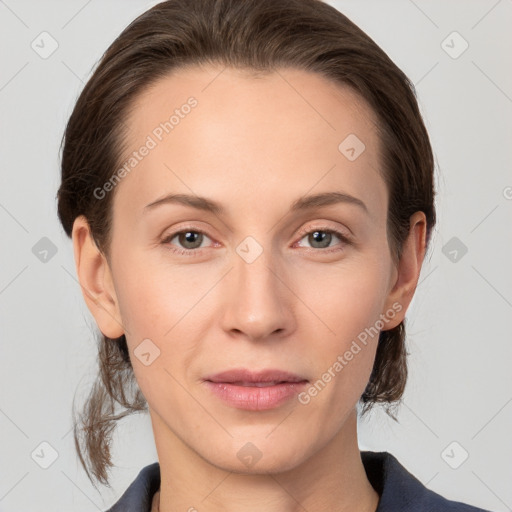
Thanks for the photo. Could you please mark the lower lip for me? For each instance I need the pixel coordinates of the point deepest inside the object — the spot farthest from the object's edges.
(254, 398)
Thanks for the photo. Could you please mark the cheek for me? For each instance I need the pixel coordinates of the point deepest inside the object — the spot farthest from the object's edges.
(153, 296)
(156, 305)
(161, 303)
(345, 305)
(344, 297)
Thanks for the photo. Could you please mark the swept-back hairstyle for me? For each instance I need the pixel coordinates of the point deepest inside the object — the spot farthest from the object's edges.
(258, 35)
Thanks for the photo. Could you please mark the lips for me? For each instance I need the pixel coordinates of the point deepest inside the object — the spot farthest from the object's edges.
(245, 377)
(255, 391)
(257, 384)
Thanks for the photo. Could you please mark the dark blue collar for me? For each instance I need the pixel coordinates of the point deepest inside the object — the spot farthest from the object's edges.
(399, 490)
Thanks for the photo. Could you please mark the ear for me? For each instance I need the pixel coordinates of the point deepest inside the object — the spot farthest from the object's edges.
(95, 279)
(406, 275)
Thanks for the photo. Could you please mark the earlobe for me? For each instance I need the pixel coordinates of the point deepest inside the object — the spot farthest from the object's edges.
(95, 280)
(409, 268)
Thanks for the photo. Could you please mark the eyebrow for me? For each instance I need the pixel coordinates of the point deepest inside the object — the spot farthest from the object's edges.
(303, 203)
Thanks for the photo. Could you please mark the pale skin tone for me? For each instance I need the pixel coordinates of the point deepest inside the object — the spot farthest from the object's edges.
(253, 145)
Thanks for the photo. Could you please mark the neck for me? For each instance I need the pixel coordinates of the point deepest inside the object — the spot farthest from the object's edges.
(333, 479)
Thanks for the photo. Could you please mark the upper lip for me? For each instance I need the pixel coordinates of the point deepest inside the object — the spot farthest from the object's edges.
(246, 375)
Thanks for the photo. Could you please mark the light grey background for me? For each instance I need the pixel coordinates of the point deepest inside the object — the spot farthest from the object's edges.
(459, 389)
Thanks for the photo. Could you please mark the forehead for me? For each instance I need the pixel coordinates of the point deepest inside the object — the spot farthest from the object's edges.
(260, 135)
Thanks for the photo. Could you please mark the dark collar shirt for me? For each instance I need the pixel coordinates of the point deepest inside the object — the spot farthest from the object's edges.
(399, 490)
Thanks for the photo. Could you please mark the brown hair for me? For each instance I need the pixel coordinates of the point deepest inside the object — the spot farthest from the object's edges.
(260, 35)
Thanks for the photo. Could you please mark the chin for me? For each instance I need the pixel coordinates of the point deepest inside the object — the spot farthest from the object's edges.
(257, 456)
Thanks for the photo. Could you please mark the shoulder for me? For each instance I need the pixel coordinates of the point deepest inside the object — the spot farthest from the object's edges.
(401, 491)
(138, 496)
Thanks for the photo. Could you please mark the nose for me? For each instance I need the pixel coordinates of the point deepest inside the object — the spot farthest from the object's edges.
(258, 303)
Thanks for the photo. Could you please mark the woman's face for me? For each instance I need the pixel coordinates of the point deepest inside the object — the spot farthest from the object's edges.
(268, 279)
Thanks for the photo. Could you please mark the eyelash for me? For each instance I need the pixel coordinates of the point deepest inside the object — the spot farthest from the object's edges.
(197, 252)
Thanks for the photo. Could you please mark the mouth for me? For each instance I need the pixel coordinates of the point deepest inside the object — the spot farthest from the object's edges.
(255, 391)
(246, 377)
(257, 384)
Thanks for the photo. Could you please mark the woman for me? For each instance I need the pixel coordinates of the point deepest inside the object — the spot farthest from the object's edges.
(249, 190)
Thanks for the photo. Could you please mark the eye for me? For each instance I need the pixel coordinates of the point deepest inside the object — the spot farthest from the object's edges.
(189, 239)
(321, 238)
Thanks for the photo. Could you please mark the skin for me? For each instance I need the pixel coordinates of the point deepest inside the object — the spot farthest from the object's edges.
(255, 145)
